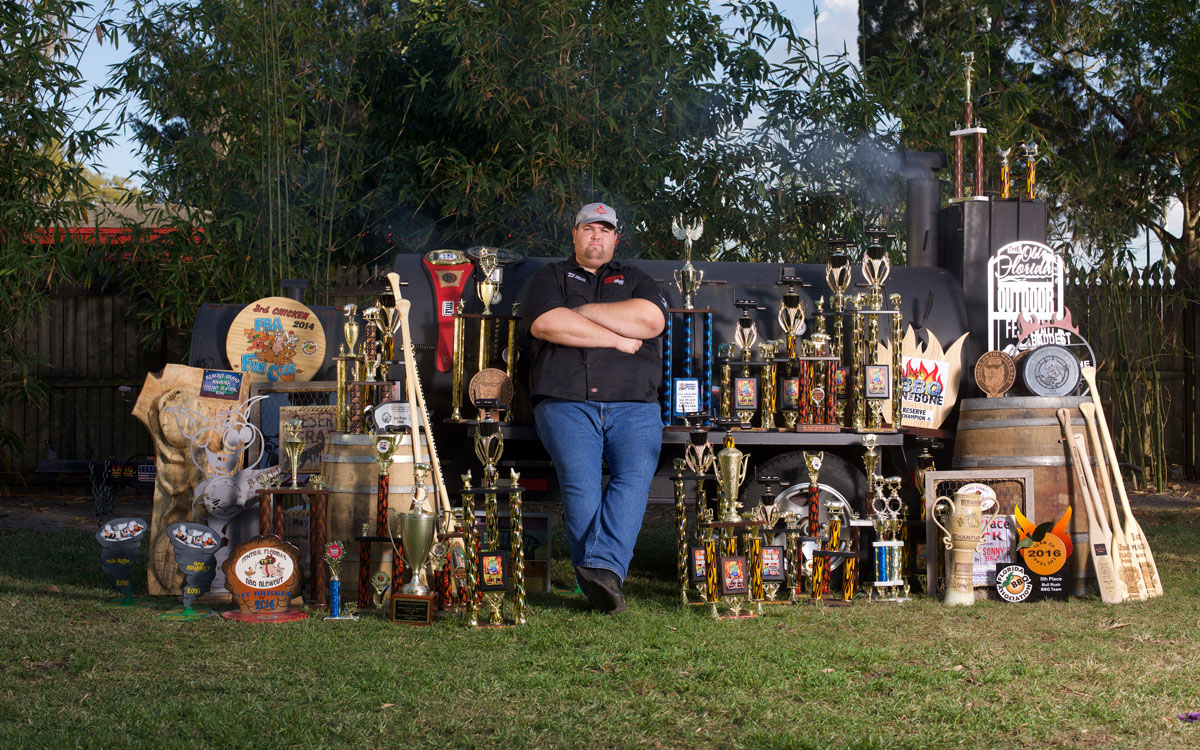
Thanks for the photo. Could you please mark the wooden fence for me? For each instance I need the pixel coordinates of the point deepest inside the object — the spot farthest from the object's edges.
(96, 365)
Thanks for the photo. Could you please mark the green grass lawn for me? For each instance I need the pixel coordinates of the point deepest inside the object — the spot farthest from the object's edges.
(1075, 674)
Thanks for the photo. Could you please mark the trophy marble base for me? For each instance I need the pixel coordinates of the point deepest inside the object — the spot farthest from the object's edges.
(265, 617)
(412, 609)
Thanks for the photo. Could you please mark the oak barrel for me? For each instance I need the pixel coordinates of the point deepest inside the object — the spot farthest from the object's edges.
(1024, 433)
(351, 472)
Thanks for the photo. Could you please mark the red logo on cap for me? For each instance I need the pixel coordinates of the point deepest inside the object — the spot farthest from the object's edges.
(600, 210)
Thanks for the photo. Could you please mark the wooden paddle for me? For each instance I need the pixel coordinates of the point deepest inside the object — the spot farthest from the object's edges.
(1099, 540)
(1127, 569)
(1133, 532)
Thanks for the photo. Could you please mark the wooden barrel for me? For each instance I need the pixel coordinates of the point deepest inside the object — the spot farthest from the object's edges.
(1024, 433)
(351, 472)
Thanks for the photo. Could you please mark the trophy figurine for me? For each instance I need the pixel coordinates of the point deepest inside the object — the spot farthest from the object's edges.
(875, 268)
(731, 467)
(745, 335)
(837, 276)
(688, 278)
(486, 287)
(380, 583)
(791, 320)
(698, 455)
(293, 445)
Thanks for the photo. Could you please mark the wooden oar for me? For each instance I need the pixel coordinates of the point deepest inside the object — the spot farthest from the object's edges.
(1129, 571)
(1099, 540)
(1133, 531)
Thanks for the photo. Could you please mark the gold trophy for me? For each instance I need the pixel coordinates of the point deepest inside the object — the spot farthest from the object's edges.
(488, 292)
(731, 465)
(293, 445)
(837, 276)
(897, 361)
(745, 335)
(698, 454)
(350, 328)
(1005, 173)
(416, 534)
(458, 365)
(766, 350)
(688, 278)
(875, 269)
(1031, 155)
(791, 320)
(962, 537)
(489, 447)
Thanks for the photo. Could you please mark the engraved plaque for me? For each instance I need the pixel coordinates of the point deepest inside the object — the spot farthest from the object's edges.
(995, 373)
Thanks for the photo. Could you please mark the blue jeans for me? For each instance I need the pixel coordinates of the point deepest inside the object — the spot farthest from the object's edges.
(602, 524)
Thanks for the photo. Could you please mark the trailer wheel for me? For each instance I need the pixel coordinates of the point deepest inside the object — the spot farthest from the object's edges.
(838, 480)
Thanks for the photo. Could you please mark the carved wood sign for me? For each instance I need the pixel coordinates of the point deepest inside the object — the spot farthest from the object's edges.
(263, 574)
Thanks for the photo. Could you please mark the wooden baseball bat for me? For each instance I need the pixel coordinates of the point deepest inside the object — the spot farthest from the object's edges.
(1133, 531)
(1098, 541)
(1127, 569)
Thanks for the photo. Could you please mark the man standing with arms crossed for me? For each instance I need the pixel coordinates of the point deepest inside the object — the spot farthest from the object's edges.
(597, 365)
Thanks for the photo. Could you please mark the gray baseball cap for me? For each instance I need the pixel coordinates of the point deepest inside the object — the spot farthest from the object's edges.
(596, 212)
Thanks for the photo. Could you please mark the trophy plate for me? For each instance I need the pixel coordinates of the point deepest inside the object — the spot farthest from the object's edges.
(412, 609)
(1050, 370)
(995, 373)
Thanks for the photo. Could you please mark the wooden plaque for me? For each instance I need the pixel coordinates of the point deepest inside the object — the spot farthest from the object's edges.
(276, 338)
(995, 373)
(263, 574)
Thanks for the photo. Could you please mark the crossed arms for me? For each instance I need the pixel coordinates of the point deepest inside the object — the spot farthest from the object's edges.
(611, 325)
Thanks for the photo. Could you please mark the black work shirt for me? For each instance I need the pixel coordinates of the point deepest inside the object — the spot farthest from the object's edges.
(591, 374)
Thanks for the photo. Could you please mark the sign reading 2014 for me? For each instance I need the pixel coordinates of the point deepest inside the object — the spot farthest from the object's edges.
(1025, 280)
(276, 339)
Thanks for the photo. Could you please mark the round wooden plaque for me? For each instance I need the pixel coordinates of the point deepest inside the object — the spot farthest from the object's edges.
(276, 339)
(995, 372)
(263, 574)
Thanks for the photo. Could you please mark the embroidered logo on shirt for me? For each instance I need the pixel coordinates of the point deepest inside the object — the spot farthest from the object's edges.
(577, 277)
(615, 280)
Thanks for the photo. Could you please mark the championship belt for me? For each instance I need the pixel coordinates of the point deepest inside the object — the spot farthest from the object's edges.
(449, 270)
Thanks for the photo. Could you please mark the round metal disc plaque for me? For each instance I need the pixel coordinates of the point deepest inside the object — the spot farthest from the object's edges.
(491, 384)
(1050, 370)
(995, 373)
